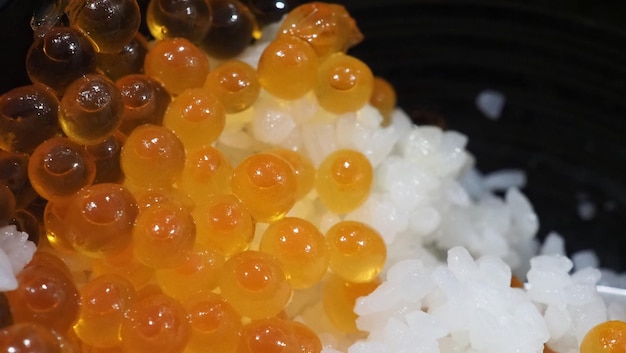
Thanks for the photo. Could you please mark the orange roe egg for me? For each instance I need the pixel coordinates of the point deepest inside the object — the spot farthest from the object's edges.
(283, 60)
(46, 295)
(155, 323)
(384, 99)
(199, 270)
(606, 337)
(59, 167)
(104, 302)
(215, 325)
(147, 148)
(254, 283)
(29, 337)
(235, 84)
(301, 249)
(328, 28)
(307, 339)
(163, 236)
(266, 184)
(302, 167)
(344, 84)
(196, 116)
(177, 63)
(357, 251)
(153, 197)
(100, 219)
(268, 335)
(224, 222)
(339, 298)
(125, 264)
(207, 172)
(344, 180)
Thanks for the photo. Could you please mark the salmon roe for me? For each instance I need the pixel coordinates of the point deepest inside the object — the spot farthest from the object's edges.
(606, 337)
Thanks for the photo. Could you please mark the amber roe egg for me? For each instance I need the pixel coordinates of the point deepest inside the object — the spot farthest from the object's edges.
(189, 19)
(233, 28)
(283, 60)
(145, 101)
(268, 335)
(99, 219)
(254, 283)
(109, 24)
(224, 222)
(300, 247)
(152, 156)
(384, 99)
(328, 28)
(125, 264)
(163, 236)
(63, 55)
(235, 84)
(606, 337)
(28, 116)
(207, 172)
(128, 61)
(344, 84)
(215, 325)
(302, 167)
(339, 298)
(266, 184)
(178, 64)
(344, 180)
(307, 339)
(46, 295)
(357, 251)
(91, 109)
(104, 302)
(155, 323)
(198, 271)
(196, 116)
(60, 167)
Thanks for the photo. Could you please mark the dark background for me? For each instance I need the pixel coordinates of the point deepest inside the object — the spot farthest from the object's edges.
(561, 65)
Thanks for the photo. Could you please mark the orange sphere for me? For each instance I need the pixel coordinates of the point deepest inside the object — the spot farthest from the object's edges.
(178, 64)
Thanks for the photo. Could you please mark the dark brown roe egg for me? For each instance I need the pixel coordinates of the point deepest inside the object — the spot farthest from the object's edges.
(110, 24)
(28, 116)
(232, 30)
(6, 318)
(59, 167)
(145, 101)
(189, 19)
(125, 62)
(60, 57)
(26, 222)
(106, 155)
(91, 109)
(7, 204)
(268, 11)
